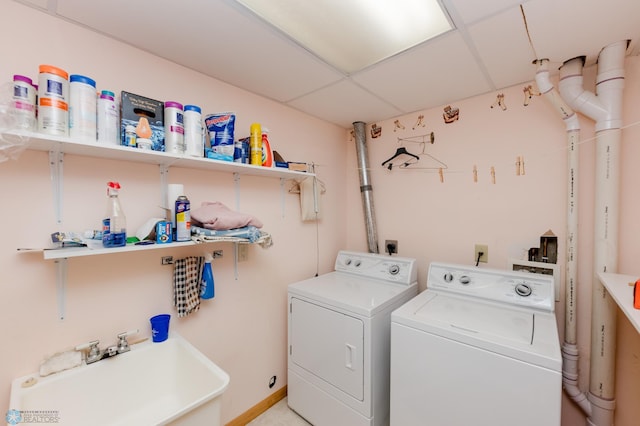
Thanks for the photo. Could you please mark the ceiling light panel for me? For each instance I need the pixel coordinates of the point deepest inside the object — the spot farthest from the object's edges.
(354, 34)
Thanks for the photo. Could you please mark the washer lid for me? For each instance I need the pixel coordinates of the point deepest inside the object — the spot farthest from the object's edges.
(481, 319)
(363, 296)
(525, 334)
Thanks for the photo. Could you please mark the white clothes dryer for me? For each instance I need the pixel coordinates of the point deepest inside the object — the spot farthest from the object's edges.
(478, 347)
(339, 339)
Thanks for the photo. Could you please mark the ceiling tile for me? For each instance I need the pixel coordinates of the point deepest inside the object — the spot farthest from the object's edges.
(562, 30)
(430, 75)
(471, 11)
(343, 103)
(42, 4)
(213, 37)
(503, 47)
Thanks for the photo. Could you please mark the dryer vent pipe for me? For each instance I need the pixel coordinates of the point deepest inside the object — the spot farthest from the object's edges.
(366, 190)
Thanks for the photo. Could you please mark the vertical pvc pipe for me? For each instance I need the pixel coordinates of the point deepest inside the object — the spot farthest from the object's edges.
(570, 354)
(573, 138)
(605, 109)
(366, 190)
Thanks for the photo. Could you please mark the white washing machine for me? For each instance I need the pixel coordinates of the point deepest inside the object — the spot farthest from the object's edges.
(339, 332)
(478, 347)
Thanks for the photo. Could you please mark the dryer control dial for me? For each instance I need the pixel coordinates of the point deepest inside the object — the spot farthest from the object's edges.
(394, 269)
(465, 279)
(523, 289)
(448, 277)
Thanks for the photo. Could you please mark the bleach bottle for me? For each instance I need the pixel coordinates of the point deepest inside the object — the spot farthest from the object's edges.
(114, 225)
(207, 290)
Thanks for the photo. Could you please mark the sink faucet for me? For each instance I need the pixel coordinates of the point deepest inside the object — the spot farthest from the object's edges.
(94, 353)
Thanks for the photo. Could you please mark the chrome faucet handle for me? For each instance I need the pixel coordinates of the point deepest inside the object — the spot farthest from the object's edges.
(123, 345)
(93, 353)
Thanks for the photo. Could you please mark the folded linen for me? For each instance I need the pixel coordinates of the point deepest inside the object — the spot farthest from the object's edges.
(250, 233)
(215, 215)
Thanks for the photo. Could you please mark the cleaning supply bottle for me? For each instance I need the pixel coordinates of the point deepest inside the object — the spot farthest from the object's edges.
(114, 225)
(267, 153)
(255, 145)
(207, 291)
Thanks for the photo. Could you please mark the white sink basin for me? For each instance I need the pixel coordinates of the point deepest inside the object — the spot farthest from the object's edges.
(153, 384)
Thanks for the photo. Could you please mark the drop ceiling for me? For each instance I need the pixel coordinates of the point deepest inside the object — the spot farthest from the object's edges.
(490, 48)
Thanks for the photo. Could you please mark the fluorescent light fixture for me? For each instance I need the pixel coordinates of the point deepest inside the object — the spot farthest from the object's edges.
(354, 34)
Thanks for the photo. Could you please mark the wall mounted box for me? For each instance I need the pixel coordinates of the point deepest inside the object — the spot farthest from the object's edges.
(132, 107)
(548, 251)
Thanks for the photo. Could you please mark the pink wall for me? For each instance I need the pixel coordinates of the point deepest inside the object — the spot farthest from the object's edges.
(243, 329)
(443, 221)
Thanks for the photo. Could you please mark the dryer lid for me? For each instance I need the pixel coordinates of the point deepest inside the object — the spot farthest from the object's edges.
(363, 296)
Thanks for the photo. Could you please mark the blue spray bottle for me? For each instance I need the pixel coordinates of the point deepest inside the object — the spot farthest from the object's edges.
(207, 290)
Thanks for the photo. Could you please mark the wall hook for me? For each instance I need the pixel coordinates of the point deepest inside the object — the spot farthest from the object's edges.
(520, 165)
(500, 102)
(529, 92)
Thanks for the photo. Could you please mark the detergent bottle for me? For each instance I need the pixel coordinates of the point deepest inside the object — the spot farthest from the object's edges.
(267, 153)
(207, 290)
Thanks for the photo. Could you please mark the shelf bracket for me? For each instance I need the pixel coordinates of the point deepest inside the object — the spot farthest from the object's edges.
(164, 185)
(235, 260)
(56, 162)
(282, 196)
(61, 284)
(236, 183)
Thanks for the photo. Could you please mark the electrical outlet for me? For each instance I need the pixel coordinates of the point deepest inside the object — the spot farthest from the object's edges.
(484, 249)
(243, 252)
(391, 246)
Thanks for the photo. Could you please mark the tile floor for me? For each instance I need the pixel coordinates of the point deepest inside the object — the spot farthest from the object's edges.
(278, 415)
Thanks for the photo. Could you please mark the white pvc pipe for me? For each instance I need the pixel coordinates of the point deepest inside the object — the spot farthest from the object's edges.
(570, 354)
(573, 137)
(605, 108)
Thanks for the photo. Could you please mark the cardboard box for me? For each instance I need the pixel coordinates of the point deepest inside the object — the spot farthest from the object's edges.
(298, 166)
(132, 107)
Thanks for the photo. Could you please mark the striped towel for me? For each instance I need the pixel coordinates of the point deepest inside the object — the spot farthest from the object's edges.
(186, 284)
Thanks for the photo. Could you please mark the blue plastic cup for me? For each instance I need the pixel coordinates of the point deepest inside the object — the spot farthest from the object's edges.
(160, 327)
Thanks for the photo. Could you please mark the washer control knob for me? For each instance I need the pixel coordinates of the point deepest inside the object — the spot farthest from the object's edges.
(347, 262)
(448, 277)
(523, 289)
(394, 269)
(465, 279)
(357, 263)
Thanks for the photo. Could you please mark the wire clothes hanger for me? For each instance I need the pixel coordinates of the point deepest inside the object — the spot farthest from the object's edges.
(415, 158)
(400, 151)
